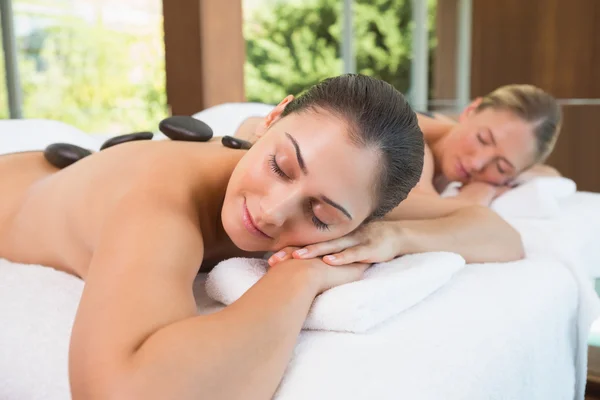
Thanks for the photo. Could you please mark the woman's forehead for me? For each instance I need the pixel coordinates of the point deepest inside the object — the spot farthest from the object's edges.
(335, 166)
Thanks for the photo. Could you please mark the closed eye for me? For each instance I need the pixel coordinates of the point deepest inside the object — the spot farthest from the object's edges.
(276, 169)
(481, 139)
(500, 169)
(322, 226)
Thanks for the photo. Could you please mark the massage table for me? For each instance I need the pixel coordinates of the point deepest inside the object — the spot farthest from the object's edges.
(494, 331)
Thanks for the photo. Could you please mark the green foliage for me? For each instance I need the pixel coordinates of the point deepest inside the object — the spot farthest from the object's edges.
(92, 77)
(290, 46)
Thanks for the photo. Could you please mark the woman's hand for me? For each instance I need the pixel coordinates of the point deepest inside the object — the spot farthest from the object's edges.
(378, 241)
(481, 193)
(320, 275)
(535, 172)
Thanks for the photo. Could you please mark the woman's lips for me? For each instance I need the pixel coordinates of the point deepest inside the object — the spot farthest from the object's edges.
(250, 225)
(461, 171)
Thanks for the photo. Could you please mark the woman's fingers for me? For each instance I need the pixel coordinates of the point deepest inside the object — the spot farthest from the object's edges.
(348, 256)
(341, 275)
(282, 255)
(329, 247)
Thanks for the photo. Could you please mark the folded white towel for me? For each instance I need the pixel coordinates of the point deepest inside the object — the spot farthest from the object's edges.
(386, 290)
(537, 198)
(225, 119)
(18, 135)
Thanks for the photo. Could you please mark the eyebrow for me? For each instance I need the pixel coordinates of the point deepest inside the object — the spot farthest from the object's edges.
(336, 205)
(502, 158)
(298, 154)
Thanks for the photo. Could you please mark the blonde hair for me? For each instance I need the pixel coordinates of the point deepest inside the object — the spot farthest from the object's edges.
(533, 105)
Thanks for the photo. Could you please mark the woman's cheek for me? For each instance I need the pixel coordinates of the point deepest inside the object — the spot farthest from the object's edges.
(255, 171)
(304, 234)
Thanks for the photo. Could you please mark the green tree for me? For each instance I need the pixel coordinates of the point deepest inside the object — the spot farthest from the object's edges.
(293, 45)
(92, 77)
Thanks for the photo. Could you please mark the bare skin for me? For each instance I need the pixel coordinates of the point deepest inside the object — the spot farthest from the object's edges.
(39, 227)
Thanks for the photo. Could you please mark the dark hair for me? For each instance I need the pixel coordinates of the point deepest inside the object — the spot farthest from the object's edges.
(379, 117)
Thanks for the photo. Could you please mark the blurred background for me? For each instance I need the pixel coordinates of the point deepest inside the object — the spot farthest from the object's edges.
(118, 66)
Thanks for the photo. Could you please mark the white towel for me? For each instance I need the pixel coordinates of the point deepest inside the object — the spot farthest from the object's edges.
(225, 119)
(386, 290)
(18, 135)
(537, 198)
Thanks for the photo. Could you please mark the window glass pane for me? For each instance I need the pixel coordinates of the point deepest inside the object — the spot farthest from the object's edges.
(96, 64)
(293, 44)
(290, 45)
(4, 112)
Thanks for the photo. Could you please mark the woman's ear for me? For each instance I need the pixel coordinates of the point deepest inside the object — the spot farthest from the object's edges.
(272, 117)
(470, 109)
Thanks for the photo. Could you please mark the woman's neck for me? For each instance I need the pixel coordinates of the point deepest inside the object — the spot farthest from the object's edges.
(436, 134)
(212, 167)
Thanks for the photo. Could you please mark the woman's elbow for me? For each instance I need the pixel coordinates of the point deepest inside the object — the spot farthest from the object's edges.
(514, 248)
(510, 244)
(96, 385)
(505, 241)
(114, 388)
(95, 376)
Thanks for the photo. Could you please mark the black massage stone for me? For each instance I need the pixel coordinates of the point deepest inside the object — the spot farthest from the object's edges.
(181, 128)
(126, 138)
(235, 143)
(186, 129)
(61, 155)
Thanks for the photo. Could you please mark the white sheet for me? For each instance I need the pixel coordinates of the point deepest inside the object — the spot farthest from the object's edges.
(575, 230)
(498, 331)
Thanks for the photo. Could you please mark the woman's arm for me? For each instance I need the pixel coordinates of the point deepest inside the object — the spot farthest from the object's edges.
(424, 224)
(475, 232)
(137, 334)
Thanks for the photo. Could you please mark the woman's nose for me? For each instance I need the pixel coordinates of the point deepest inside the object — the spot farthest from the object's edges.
(479, 161)
(476, 164)
(278, 206)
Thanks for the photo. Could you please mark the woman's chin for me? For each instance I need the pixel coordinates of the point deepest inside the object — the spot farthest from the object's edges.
(247, 245)
(244, 241)
(451, 175)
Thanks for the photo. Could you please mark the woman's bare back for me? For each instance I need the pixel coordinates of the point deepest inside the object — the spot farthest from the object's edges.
(53, 217)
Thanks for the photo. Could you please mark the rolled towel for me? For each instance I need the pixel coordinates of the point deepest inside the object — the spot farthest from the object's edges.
(225, 119)
(537, 198)
(18, 135)
(386, 289)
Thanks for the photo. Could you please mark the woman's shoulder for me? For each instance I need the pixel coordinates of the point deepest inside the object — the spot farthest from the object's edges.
(164, 169)
(425, 184)
(434, 128)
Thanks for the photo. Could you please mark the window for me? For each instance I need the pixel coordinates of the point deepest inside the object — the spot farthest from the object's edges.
(95, 64)
(292, 45)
